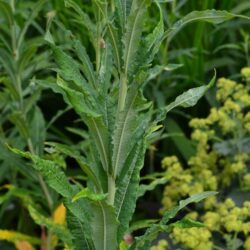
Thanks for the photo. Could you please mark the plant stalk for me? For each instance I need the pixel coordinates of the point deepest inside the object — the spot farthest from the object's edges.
(122, 93)
(111, 190)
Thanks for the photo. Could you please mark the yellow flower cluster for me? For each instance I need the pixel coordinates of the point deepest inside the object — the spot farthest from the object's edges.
(212, 169)
(193, 238)
(228, 217)
(162, 245)
(246, 73)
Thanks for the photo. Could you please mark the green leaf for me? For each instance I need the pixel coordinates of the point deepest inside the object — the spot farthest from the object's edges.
(158, 69)
(116, 45)
(87, 193)
(36, 8)
(187, 223)
(123, 9)
(85, 19)
(81, 215)
(190, 97)
(37, 126)
(127, 188)
(71, 152)
(76, 228)
(105, 71)
(196, 198)
(100, 135)
(6, 10)
(18, 120)
(130, 127)
(69, 68)
(87, 66)
(154, 39)
(144, 241)
(151, 186)
(169, 214)
(104, 226)
(58, 229)
(52, 173)
(211, 16)
(141, 224)
(132, 36)
(77, 100)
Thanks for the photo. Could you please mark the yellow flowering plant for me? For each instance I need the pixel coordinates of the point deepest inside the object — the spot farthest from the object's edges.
(221, 163)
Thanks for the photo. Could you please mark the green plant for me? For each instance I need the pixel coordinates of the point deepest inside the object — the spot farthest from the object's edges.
(108, 97)
(22, 58)
(220, 162)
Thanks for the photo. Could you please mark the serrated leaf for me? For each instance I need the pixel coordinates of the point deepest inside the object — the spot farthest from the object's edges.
(87, 66)
(68, 66)
(77, 100)
(132, 36)
(127, 188)
(85, 19)
(52, 173)
(87, 193)
(69, 151)
(105, 71)
(154, 39)
(100, 135)
(76, 228)
(104, 226)
(123, 9)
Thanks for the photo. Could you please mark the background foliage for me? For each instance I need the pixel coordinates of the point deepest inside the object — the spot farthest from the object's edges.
(32, 114)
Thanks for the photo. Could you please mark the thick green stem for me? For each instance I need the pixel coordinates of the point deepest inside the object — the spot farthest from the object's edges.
(111, 190)
(122, 93)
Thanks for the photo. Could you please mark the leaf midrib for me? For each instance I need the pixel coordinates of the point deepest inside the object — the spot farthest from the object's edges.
(122, 135)
(130, 41)
(102, 145)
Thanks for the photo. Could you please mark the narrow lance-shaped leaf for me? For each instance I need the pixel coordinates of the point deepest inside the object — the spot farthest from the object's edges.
(85, 19)
(143, 242)
(151, 186)
(123, 8)
(52, 173)
(104, 226)
(154, 39)
(76, 228)
(133, 33)
(128, 184)
(69, 151)
(105, 71)
(77, 99)
(211, 16)
(190, 97)
(100, 136)
(87, 66)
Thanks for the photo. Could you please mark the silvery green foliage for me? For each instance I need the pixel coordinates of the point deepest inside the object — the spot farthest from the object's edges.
(108, 97)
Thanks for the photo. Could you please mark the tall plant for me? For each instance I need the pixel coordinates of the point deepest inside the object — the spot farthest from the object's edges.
(108, 97)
